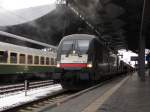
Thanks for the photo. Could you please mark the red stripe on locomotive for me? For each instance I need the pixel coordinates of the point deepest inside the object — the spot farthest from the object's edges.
(82, 65)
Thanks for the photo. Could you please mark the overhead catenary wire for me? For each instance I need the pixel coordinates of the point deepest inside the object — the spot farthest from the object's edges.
(106, 42)
(83, 18)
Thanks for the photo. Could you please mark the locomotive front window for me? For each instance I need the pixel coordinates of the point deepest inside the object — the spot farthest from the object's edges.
(83, 45)
(67, 46)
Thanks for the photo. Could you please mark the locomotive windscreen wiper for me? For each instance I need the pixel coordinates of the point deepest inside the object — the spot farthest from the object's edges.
(78, 51)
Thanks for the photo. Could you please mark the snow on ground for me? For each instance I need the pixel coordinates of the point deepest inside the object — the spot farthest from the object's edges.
(17, 98)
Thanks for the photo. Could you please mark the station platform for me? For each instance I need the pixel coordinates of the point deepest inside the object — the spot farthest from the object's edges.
(124, 94)
(132, 96)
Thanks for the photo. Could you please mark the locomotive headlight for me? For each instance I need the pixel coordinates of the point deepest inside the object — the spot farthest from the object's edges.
(74, 51)
(89, 65)
(58, 65)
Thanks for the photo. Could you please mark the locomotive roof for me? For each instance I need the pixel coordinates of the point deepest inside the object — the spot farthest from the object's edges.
(79, 36)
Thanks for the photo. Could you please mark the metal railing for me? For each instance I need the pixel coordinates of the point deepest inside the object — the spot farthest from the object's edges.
(19, 87)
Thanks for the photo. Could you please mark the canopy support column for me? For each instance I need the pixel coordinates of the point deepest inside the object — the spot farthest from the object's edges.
(141, 63)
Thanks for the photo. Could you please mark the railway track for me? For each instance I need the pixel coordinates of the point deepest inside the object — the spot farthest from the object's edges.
(52, 100)
(20, 87)
(36, 104)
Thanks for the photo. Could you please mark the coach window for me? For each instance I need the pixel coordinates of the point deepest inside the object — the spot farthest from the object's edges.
(22, 59)
(52, 61)
(55, 62)
(13, 57)
(36, 60)
(30, 59)
(47, 61)
(42, 61)
(3, 56)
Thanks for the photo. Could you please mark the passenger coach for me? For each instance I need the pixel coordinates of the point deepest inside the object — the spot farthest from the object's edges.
(17, 61)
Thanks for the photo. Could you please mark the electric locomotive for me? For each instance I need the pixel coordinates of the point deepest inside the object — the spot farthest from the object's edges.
(83, 60)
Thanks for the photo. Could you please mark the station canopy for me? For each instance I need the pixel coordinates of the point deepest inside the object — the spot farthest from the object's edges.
(116, 22)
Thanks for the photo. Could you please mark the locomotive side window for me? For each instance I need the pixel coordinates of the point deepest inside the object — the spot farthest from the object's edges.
(22, 59)
(3, 56)
(36, 59)
(67, 46)
(47, 61)
(30, 59)
(42, 61)
(82, 45)
(13, 57)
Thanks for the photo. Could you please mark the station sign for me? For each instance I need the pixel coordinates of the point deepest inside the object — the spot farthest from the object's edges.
(134, 58)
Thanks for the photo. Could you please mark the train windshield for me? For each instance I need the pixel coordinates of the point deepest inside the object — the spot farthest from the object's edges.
(83, 45)
(67, 46)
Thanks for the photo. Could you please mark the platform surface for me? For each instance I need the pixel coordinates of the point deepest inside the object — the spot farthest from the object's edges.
(133, 96)
(124, 94)
(79, 103)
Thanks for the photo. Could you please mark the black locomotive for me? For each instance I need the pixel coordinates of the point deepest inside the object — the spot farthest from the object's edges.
(83, 60)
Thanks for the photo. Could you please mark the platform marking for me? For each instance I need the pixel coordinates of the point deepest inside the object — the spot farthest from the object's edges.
(100, 101)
